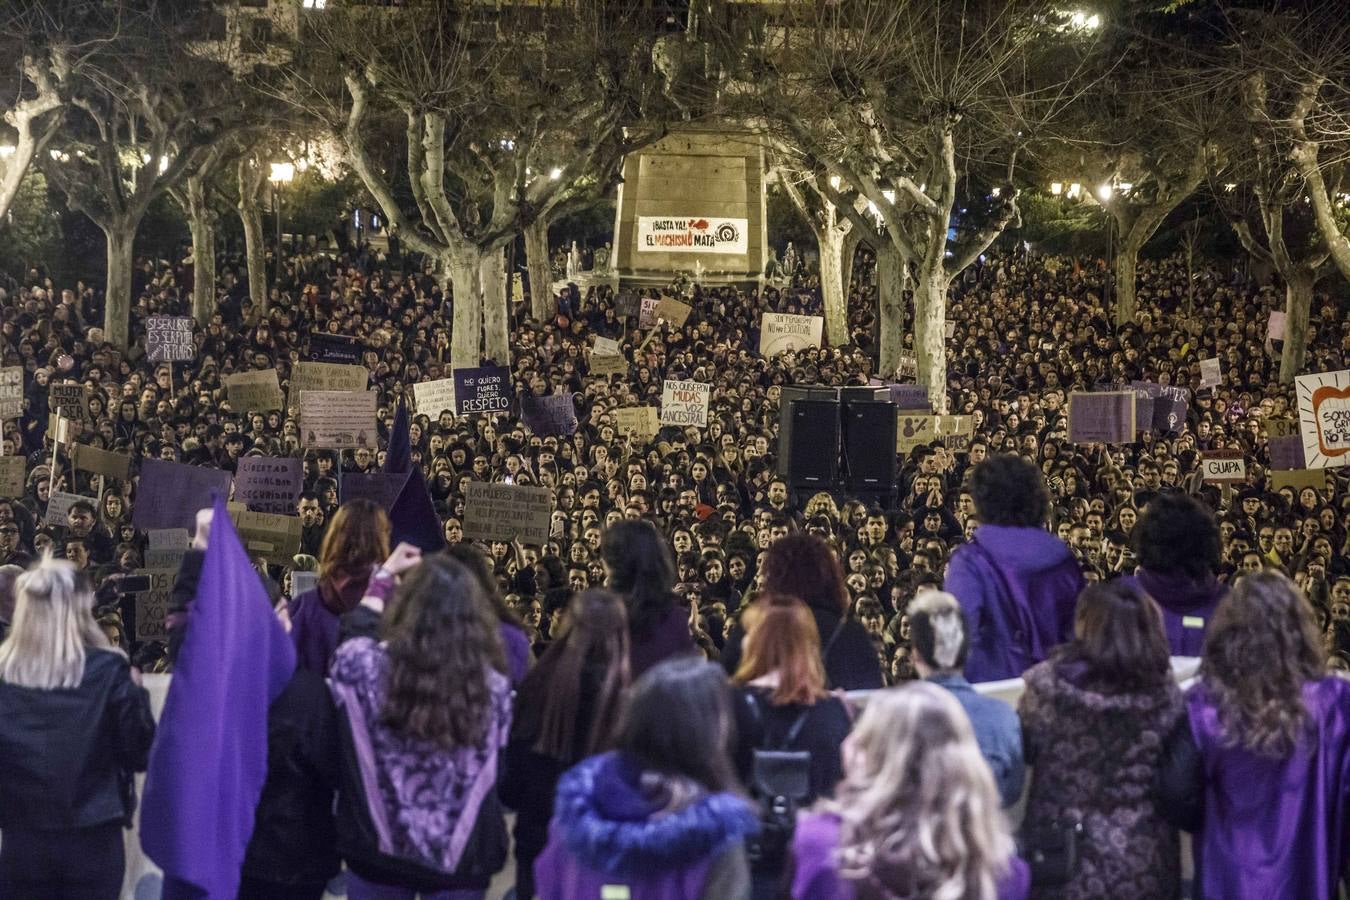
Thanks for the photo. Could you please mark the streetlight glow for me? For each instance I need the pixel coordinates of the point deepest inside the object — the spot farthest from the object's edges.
(889, 195)
(1056, 188)
(1074, 190)
(7, 150)
(1104, 192)
(835, 182)
(555, 174)
(282, 172)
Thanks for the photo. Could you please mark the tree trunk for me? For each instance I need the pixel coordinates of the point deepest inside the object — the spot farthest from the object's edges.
(201, 221)
(930, 336)
(1127, 260)
(496, 318)
(846, 255)
(891, 307)
(542, 305)
(466, 329)
(120, 237)
(831, 243)
(1298, 296)
(255, 247)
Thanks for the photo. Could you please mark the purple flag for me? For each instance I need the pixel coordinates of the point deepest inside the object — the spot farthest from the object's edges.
(412, 518)
(209, 759)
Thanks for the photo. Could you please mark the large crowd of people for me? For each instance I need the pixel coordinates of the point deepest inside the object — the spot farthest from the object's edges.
(654, 691)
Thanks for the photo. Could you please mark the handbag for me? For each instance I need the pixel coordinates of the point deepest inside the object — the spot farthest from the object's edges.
(1051, 851)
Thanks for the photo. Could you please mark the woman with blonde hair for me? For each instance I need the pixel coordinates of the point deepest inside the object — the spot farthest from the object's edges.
(356, 542)
(74, 728)
(917, 814)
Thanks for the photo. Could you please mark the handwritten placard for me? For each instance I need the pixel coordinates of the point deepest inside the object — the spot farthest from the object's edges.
(169, 339)
(641, 423)
(908, 366)
(1275, 325)
(555, 414)
(321, 376)
(11, 392)
(167, 547)
(69, 400)
(603, 364)
(169, 494)
(59, 504)
(647, 312)
(435, 397)
(152, 606)
(1324, 418)
(100, 462)
(507, 512)
(338, 419)
(1211, 373)
(626, 304)
(781, 332)
(486, 389)
(673, 311)
(1102, 418)
(264, 534)
(605, 347)
(13, 475)
(1224, 467)
(913, 429)
(258, 391)
(268, 484)
(684, 403)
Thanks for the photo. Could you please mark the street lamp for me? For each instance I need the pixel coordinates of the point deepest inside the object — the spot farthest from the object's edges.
(1056, 188)
(1104, 192)
(282, 173)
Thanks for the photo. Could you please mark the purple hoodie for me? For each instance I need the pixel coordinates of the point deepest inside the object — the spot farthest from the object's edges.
(1018, 588)
(1187, 606)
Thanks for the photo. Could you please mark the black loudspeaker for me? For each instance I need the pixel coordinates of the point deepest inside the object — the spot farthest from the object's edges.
(788, 396)
(813, 444)
(869, 445)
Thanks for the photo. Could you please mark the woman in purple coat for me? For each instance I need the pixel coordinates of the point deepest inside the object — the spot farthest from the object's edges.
(638, 568)
(1178, 546)
(1272, 730)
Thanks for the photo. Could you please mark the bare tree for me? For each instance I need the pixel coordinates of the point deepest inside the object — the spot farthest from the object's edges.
(918, 109)
(250, 176)
(831, 229)
(468, 126)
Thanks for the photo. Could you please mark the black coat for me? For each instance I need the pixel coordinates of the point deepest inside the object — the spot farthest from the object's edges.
(851, 664)
(66, 755)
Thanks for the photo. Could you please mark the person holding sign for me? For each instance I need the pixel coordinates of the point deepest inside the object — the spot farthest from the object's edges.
(72, 713)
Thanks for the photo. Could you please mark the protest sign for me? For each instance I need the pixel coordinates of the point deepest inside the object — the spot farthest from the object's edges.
(482, 390)
(1223, 467)
(1281, 427)
(69, 400)
(1324, 418)
(1275, 325)
(913, 429)
(1145, 394)
(268, 484)
(258, 391)
(780, 332)
(1211, 373)
(554, 414)
(507, 512)
(1287, 452)
(169, 339)
(100, 462)
(264, 534)
(11, 392)
(950, 329)
(59, 504)
(641, 422)
(338, 419)
(13, 476)
(908, 367)
(647, 312)
(152, 606)
(699, 234)
(626, 304)
(61, 429)
(380, 488)
(673, 311)
(954, 431)
(684, 403)
(911, 397)
(1102, 418)
(604, 365)
(169, 493)
(322, 376)
(435, 397)
(1298, 479)
(167, 548)
(1169, 409)
(334, 348)
(605, 347)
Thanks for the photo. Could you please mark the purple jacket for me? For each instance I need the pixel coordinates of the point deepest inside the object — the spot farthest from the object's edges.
(607, 830)
(1187, 606)
(816, 877)
(314, 630)
(1275, 828)
(1018, 588)
(669, 638)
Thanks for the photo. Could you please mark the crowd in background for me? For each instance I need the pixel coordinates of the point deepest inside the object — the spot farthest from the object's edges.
(1014, 552)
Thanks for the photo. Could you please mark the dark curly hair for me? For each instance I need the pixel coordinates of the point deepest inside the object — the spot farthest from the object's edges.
(442, 638)
(1008, 490)
(1176, 535)
(1262, 646)
(802, 565)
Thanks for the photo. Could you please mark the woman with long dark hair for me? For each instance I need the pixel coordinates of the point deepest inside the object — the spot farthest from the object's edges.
(638, 567)
(427, 712)
(804, 566)
(661, 815)
(567, 709)
(1095, 715)
(1272, 730)
(356, 541)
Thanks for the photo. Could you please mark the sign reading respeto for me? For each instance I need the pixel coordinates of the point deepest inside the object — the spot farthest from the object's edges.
(663, 234)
